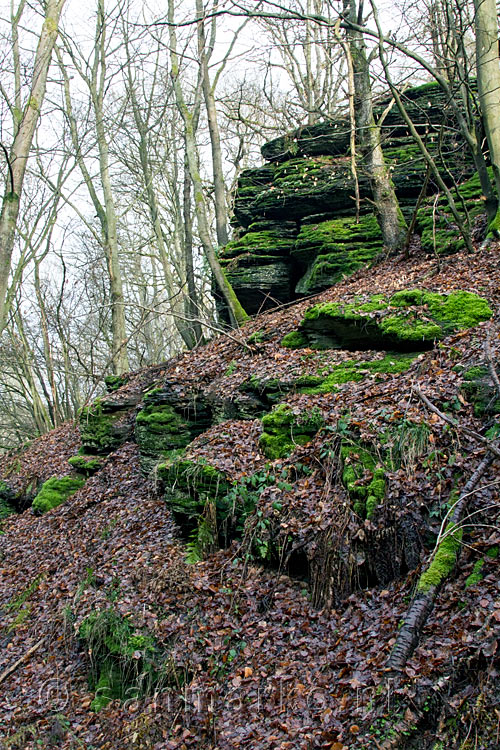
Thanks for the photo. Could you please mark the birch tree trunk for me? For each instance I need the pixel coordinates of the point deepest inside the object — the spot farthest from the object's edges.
(24, 130)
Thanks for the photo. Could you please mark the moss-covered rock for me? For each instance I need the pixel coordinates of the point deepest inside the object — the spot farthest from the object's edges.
(478, 387)
(7, 500)
(328, 251)
(114, 382)
(260, 281)
(307, 194)
(354, 371)
(188, 485)
(55, 491)
(436, 224)
(169, 419)
(105, 425)
(410, 320)
(86, 465)
(283, 430)
(294, 340)
(363, 479)
(124, 662)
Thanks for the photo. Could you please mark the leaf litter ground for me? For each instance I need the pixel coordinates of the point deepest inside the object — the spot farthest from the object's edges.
(256, 664)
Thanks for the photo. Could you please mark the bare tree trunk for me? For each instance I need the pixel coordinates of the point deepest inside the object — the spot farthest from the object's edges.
(192, 308)
(97, 84)
(236, 311)
(176, 295)
(21, 145)
(391, 220)
(213, 127)
(488, 80)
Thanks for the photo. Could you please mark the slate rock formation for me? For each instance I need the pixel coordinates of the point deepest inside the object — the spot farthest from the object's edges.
(295, 217)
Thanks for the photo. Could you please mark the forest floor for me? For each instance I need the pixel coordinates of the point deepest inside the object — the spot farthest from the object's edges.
(249, 661)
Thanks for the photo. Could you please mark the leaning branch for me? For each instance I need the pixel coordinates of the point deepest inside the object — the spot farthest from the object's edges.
(441, 563)
(445, 553)
(21, 660)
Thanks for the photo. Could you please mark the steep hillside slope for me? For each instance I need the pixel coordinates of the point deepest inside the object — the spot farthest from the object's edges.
(253, 521)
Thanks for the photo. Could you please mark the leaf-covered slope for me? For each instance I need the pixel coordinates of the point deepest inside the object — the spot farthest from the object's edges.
(263, 651)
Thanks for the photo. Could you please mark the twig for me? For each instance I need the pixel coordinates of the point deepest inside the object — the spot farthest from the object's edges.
(22, 659)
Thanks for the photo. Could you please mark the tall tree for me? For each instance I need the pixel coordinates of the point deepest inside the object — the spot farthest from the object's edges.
(391, 220)
(236, 312)
(25, 117)
(95, 76)
(488, 81)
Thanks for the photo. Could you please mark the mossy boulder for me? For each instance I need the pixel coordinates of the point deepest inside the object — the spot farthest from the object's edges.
(295, 340)
(170, 417)
(327, 251)
(427, 105)
(478, 387)
(86, 465)
(298, 213)
(283, 430)
(354, 371)
(105, 425)
(363, 479)
(7, 500)
(55, 491)
(410, 320)
(260, 281)
(436, 224)
(189, 485)
(114, 382)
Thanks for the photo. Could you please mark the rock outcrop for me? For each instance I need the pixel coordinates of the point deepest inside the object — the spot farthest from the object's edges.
(295, 217)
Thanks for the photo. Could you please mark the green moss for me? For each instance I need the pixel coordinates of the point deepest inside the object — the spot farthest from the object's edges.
(332, 310)
(7, 498)
(283, 430)
(375, 492)
(444, 559)
(476, 575)
(436, 225)
(492, 553)
(458, 310)
(114, 382)
(97, 428)
(189, 485)
(363, 479)
(294, 340)
(478, 388)
(55, 491)
(410, 317)
(86, 465)
(259, 243)
(160, 418)
(353, 371)
(407, 329)
(124, 662)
